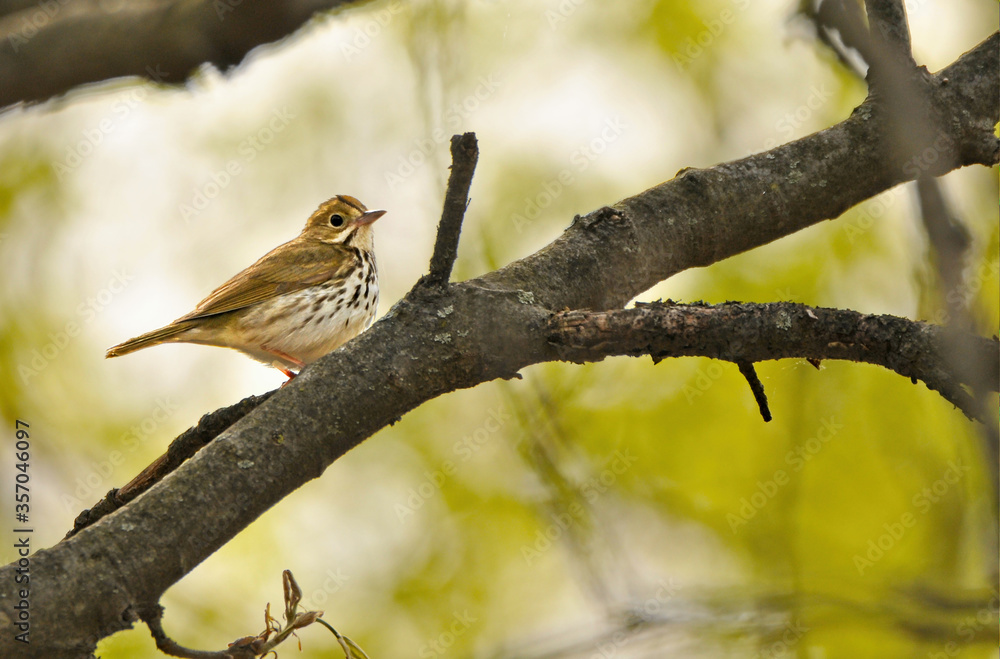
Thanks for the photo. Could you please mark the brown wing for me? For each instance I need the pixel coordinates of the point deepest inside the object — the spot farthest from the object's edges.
(285, 269)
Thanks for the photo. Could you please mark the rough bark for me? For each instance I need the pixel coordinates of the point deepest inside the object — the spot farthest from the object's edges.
(748, 333)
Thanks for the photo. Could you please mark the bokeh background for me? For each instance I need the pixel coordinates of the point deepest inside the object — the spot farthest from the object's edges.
(617, 509)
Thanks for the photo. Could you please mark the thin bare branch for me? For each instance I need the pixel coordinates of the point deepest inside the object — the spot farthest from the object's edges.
(780, 330)
(153, 615)
(756, 387)
(464, 155)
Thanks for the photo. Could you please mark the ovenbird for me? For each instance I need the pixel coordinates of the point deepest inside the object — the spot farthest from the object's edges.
(298, 302)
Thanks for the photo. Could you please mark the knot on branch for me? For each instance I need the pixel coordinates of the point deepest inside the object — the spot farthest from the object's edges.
(602, 216)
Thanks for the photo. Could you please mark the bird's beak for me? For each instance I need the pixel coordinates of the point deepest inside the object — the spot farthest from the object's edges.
(369, 216)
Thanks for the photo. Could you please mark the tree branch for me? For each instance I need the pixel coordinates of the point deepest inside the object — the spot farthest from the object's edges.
(164, 42)
(153, 617)
(471, 332)
(890, 33)
(747, 333)
(464, 155)
(894, 76)
(756, 387)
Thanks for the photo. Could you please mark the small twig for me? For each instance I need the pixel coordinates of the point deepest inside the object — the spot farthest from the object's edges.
(262, 644)
(152, 616)
(748, 371)
(183, 447)
(347, 645)
(464, 155)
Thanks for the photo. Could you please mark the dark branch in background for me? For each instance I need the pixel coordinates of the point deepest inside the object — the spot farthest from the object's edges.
(81, 43)
(895, 77)
(890, 34)
(464, 155)
(843, 19)
(750, 333)
(906, 91)
(949, 242)
(475, 331)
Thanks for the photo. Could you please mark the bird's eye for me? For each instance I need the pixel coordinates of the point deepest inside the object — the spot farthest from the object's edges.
(336, 220)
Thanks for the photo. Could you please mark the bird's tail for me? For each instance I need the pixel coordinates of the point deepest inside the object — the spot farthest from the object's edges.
(167, 334)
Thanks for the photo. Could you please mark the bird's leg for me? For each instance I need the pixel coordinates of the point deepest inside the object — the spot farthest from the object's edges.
(288, 358)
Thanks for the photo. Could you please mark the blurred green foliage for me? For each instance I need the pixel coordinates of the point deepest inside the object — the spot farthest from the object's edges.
(544, 516)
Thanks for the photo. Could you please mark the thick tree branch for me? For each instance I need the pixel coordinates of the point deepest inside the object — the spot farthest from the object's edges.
(441, 339)
(689, 221)
(47, 49)
(747, 333)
